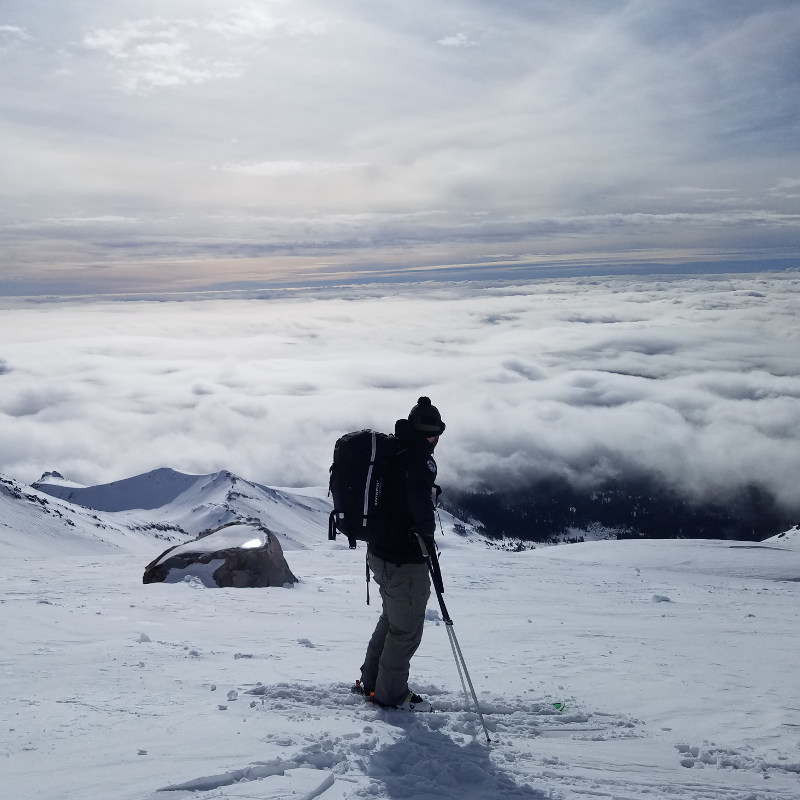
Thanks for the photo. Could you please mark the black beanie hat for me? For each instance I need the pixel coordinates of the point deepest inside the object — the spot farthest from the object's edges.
(426, 418)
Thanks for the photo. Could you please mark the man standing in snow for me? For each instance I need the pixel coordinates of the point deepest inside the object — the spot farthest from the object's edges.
(398, 564)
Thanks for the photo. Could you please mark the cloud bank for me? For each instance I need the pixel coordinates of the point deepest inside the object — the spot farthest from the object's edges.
(190, 139)
(693, 382)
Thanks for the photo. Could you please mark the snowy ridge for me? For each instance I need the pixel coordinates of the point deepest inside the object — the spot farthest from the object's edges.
(34, 522)
(790, 538)
(149, 491)
(194, 504)
(144, 513)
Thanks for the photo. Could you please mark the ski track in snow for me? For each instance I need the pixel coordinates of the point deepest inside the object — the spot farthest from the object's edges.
(359, 751)
(315, 738)
(375, 752)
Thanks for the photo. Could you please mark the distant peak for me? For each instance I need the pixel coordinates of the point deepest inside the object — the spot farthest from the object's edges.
(225, 475)
(50, 475)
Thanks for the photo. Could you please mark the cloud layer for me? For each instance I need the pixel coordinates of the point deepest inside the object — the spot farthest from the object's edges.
(362, 133)
(693, 382)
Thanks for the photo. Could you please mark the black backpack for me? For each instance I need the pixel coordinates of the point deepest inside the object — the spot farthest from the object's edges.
(361, 481)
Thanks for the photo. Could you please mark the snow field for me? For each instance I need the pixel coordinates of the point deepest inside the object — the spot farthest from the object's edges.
(677, 662)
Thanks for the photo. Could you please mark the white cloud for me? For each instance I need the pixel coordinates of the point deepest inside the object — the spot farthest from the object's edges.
(258, 23)
(284, 168)
(135, 38)
(109, 219)
(593, 128)
(693, 381)
(159, 52)
(155, 53)
(460, 39)
(787, 183)
(245, 22)
(788, 188)
(11, 34)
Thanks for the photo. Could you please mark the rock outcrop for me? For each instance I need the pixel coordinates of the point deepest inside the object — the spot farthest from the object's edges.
(239, 555)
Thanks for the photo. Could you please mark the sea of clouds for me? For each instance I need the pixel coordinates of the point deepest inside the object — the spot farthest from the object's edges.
(692, 381)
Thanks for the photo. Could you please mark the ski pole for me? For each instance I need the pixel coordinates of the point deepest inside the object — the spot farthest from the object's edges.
(461, 664)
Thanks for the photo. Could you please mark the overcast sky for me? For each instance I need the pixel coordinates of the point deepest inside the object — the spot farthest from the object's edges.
(184, 143)
(695, 382)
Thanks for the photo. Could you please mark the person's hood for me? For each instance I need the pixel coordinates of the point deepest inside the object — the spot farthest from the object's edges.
(411, 437)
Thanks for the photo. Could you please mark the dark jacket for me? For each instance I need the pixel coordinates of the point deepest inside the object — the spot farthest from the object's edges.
(412, 508)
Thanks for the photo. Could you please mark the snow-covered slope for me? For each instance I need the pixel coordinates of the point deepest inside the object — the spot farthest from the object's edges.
(790, 538)
(197, 503)
(33, 521)
(192, 504)
(145, 513)
(676, 659)
(148, 491)
(677, 662)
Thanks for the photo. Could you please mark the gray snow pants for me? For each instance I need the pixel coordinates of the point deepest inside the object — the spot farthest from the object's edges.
(405, 590)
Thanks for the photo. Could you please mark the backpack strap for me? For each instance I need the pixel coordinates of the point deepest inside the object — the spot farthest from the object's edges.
(334, 515)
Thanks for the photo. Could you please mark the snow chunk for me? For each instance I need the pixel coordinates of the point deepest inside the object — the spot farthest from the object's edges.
(196, 575)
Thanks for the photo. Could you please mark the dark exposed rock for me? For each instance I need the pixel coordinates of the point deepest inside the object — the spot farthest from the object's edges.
(238, 555)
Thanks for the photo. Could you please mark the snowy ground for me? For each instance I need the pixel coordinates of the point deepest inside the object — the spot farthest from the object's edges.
(677, 661)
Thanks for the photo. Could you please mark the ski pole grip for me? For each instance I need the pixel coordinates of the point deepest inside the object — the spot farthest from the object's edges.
(433, 566)
(436, 573)
(332, 526)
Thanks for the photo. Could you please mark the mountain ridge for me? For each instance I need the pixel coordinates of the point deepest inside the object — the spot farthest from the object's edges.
(189, 505)
(165, 506)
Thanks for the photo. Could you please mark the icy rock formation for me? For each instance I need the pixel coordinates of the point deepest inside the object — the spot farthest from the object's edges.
(239, 555)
